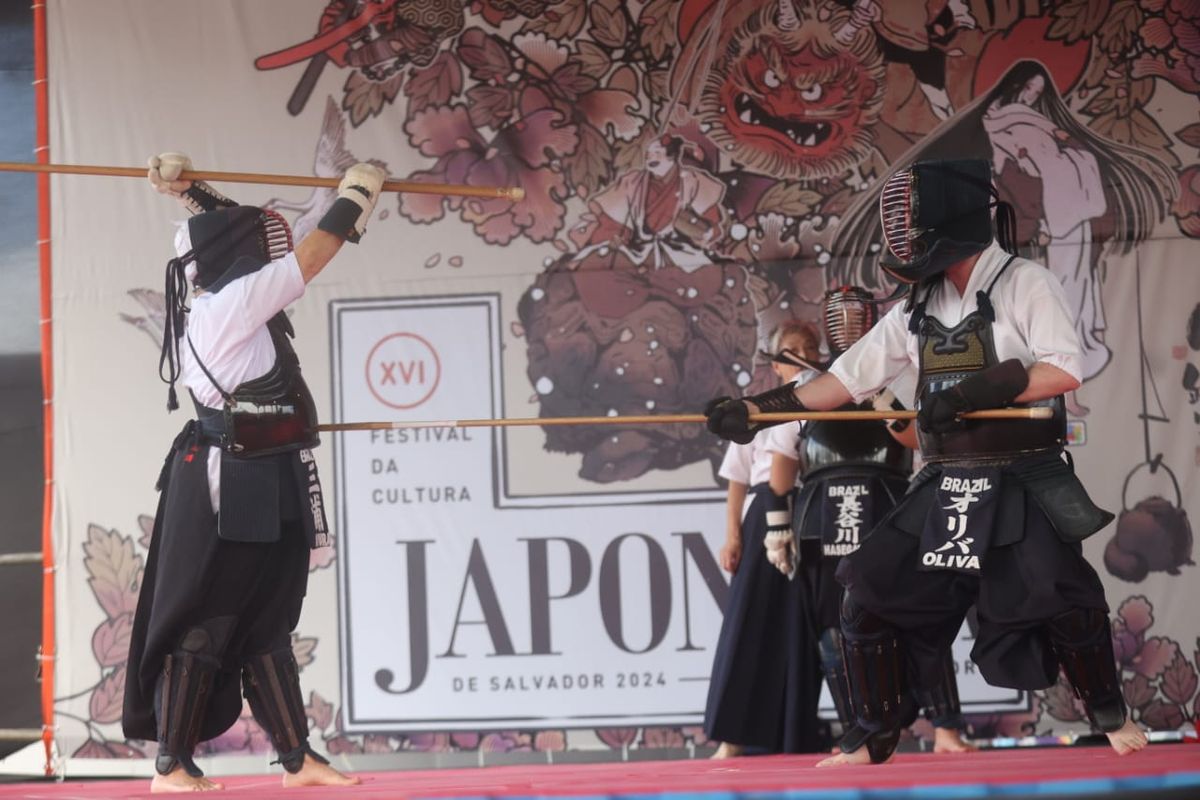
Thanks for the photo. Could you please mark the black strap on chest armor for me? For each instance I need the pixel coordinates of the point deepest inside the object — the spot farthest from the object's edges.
(983, 299)
(825, 443)
(273, 413)
(986, 439)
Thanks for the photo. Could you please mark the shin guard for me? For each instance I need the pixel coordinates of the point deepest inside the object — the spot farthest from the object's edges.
(833, 664)
(272, 684)
(181, 700)
(879, 695)
(1082, 641)
(941, 703)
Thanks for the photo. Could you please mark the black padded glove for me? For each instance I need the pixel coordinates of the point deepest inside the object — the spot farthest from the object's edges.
(990, 388)
(730, 419)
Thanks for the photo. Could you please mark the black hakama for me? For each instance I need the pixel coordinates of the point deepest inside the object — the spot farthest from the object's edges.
(194, 577)
(766, 675)
(1029, 573)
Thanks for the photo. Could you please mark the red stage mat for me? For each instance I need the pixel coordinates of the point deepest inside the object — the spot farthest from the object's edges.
(1080, 771)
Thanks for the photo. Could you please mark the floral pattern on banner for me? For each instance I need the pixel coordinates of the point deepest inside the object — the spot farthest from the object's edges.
(115, 567)
(796, 108)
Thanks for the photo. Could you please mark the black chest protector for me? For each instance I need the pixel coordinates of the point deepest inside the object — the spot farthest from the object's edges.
(825, 443)
(947, 355)
(273, 413)
(852, 474)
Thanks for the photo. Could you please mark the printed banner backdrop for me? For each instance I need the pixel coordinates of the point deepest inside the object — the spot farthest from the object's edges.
(695, 172)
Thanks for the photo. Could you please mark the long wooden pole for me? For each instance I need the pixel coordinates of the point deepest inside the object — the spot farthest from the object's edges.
(513, 193)
(661, 419)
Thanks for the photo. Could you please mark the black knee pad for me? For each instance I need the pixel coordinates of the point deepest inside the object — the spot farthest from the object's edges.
(272, 685)
(1077, 627)
(858, 620)
(830, 647)
(1082, 642)
(181, 698)
(833, 664)
(210, 638)
(877, 669)
(196, 640)
(941, 702)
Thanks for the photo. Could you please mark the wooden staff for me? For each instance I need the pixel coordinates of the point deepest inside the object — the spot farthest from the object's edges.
(1039, 412)
(513, 193)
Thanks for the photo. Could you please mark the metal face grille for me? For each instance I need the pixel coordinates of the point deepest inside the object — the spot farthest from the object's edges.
(276, 235)
(896, 212)
(849, 313)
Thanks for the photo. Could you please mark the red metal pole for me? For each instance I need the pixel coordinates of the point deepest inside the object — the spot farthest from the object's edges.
(42, 152)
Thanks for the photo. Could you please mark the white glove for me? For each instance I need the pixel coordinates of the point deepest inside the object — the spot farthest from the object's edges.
(164, 174)
(781, 542)
(887, 401)
(196, 196)
(358, 193)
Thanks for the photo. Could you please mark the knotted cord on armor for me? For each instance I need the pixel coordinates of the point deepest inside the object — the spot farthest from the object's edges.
(174, 322)
(1006, 226)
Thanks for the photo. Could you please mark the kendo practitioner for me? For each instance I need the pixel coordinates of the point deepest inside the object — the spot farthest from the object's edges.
(997, 516)
(765, 685)
(240, 504)
(851, 474)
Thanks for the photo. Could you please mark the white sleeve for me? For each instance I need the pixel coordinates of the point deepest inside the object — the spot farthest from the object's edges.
(877, 358)
(905, 387)
(244, 306)
(1043, 318)
(784, 439)
(736, 464)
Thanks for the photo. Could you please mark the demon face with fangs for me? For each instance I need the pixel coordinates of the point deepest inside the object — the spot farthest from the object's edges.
(793, 89)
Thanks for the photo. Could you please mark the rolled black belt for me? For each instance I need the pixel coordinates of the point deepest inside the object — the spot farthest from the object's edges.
(211, 424)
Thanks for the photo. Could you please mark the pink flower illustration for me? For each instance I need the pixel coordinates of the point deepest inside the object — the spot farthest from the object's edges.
(521, 154)
(429, 742)
(497, 11)
(617, 738)
(244, 737)
(1186, 207)
(1135, 652)
(1174, 42)
(466, 741)
(662, 738)
(555, 741)
(506, 742)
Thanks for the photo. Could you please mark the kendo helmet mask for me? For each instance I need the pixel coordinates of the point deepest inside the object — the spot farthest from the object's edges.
(223, 245)
(214, 249)
(847, 313)
(936, 213)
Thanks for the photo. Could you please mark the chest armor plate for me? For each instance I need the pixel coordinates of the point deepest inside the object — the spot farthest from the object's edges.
(947, 356)
(826, 442)
(273, 413)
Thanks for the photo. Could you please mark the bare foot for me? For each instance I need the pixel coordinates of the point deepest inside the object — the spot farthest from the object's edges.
(1128, 738)
(859, 756)
(179, 781)
(949, 740)
(727, 750)
(314, 773)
